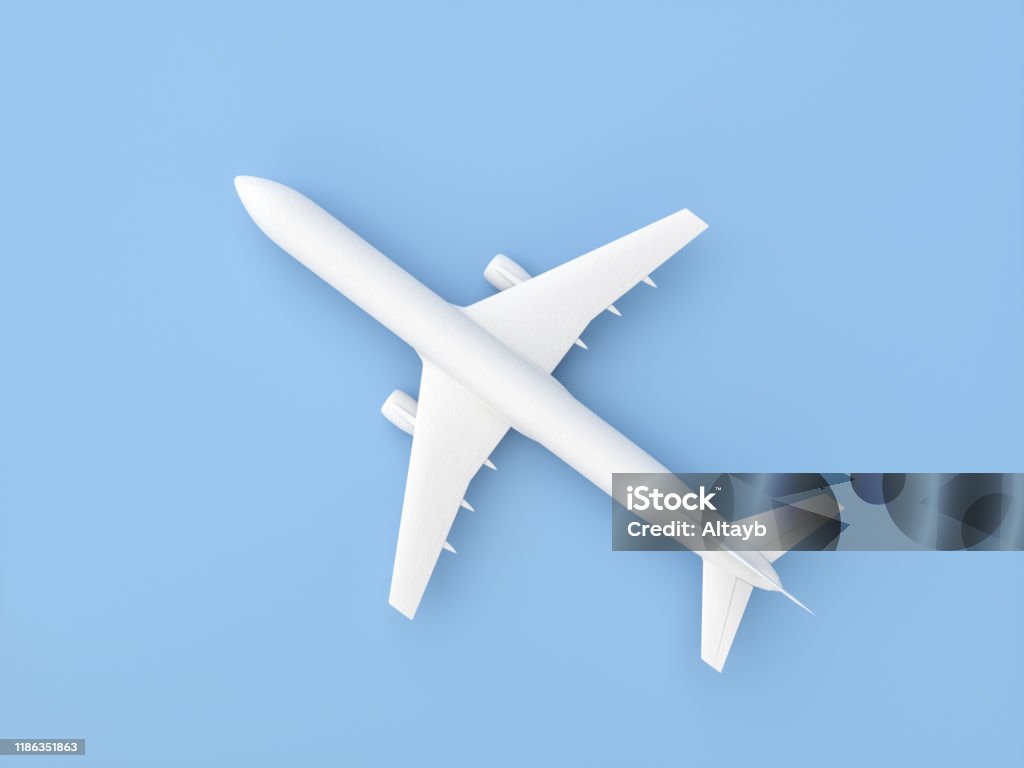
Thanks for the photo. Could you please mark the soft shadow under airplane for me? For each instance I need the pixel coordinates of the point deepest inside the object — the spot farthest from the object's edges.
(487, 368)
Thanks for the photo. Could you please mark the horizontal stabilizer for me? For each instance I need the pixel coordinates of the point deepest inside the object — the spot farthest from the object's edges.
(723, 600)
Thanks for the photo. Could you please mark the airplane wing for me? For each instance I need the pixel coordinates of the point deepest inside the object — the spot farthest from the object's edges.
(454, 434)
(722, 604)
(543, 317)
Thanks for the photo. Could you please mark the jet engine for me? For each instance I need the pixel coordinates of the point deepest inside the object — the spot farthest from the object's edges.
(503, 273)
(400, 410)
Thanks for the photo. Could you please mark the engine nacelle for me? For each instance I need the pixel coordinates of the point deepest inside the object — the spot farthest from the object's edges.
(503, 273)
(400, 410)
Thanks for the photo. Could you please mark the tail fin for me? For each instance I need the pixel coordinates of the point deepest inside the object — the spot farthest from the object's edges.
(799, 522)
(796, 601)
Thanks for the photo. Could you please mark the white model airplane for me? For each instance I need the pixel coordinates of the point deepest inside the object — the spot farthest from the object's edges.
(487, 369)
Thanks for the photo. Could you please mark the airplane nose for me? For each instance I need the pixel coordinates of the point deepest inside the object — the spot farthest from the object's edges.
(304, 229)
(269, 204)
(242, 183)
(248, 187)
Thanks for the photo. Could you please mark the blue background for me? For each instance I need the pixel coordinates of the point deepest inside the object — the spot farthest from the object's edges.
(200, 498)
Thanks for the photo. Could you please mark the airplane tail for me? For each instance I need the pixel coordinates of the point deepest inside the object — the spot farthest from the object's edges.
(723, 600)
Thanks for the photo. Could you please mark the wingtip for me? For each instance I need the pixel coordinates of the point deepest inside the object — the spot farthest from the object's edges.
(715, 664)
(702, 225)
(409, 614)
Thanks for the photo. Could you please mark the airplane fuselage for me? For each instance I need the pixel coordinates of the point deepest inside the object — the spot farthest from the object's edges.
(530, 399)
